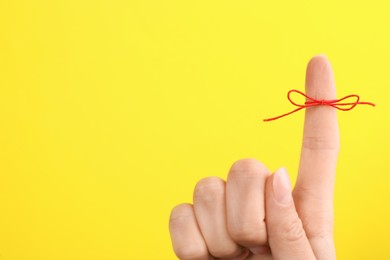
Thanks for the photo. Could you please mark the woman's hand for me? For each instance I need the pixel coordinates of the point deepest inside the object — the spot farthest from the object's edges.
(254, 214)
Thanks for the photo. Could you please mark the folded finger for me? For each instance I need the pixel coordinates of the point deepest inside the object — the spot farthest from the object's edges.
(245, 203)
(187, 240)
(210, 212)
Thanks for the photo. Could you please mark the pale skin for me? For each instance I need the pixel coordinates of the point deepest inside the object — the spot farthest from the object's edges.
(256, 215)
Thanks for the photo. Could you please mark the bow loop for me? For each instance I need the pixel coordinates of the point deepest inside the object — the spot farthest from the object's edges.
(346, 106)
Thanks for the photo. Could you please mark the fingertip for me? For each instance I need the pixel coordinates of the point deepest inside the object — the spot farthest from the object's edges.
(320, 78)
(318, 59)
(320, 56)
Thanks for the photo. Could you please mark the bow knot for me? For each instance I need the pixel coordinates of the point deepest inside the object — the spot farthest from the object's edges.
(339, 104)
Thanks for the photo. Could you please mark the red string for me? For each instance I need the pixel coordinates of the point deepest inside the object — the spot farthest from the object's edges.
(336, 103)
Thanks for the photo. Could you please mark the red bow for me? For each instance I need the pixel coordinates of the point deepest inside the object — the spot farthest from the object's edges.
(336, 103)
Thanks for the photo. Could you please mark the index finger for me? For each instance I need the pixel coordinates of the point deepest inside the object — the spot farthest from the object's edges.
(313, 192)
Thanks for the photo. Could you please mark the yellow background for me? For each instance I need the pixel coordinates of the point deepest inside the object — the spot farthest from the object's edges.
(110, 111)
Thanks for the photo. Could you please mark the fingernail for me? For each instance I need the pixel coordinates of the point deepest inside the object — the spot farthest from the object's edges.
(260, 250)
(282, 186)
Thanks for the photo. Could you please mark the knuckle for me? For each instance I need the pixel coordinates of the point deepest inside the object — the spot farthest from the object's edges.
(318, 226)
(306, 192)
(181, 211)
(179, 218)
(320, 143)
(249, 234)
(248, 168)
(293, 231)
(318, 221)
(209, 189)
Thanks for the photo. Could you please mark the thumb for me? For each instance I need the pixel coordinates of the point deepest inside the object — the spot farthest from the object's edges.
(286, 236)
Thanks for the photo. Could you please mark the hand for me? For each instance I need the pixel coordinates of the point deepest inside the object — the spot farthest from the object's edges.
(255, 215)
